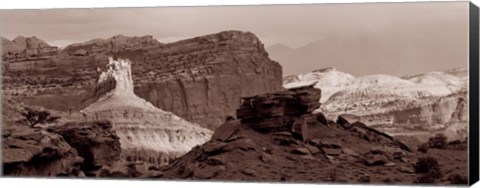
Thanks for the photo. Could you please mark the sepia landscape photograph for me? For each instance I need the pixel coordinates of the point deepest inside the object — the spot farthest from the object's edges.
(356, 93)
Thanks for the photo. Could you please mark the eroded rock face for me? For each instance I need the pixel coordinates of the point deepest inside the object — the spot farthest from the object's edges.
(200, 79)
(36, 152)
(96, 142)
(278, 111)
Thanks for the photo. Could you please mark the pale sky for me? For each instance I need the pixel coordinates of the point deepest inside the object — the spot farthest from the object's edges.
(291, 25)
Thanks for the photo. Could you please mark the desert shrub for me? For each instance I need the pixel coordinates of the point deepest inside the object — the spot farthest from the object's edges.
(457, 179)
(438, 141)
(426, 164)
(423, 148)
(430, 167)
(33, 117)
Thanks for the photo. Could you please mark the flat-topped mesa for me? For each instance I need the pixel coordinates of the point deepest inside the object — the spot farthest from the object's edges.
(201, 56)
(113, 44)
(146, 133)
(222, 41)
(277, 111)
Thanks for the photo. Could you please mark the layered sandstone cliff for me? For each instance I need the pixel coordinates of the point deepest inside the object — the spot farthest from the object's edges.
(200, 79)
(146, 132)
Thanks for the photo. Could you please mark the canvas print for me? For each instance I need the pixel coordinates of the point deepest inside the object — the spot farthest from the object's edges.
(319, 93)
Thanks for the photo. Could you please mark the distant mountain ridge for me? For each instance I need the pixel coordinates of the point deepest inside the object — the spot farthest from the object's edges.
(368, 54)
(25, 47)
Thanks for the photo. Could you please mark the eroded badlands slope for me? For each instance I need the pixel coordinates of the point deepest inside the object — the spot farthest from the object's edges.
(429, 101)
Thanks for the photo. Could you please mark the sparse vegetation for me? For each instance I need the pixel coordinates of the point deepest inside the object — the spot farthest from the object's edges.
(423, 148)
(429, 166)
(438, 141)
(33, 117)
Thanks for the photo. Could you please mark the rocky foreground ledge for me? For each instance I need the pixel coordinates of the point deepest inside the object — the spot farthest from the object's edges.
(75, 149)
(278, 138)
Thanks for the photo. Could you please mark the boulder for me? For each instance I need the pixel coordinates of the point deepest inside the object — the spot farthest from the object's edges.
(343, 122)
(206, 171)
(278, 111)
(321, 118)
(245, 144)
(94, 141)
(332, 151)
(35, 152)
(301, 151)
(300, 129)
(249, 172)
(312, 149)
(225, 131)
(376, 157)
(267, 158)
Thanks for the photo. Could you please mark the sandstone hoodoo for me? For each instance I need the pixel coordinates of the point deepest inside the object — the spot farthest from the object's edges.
(200, 79)
(146, 133)
(278, 137)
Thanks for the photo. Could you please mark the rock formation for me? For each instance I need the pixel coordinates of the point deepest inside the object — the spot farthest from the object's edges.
(146, 133)
(35, 152)
(200, 79)
(279, 138)
(95, 142)
(279, 109)
(26, 48)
